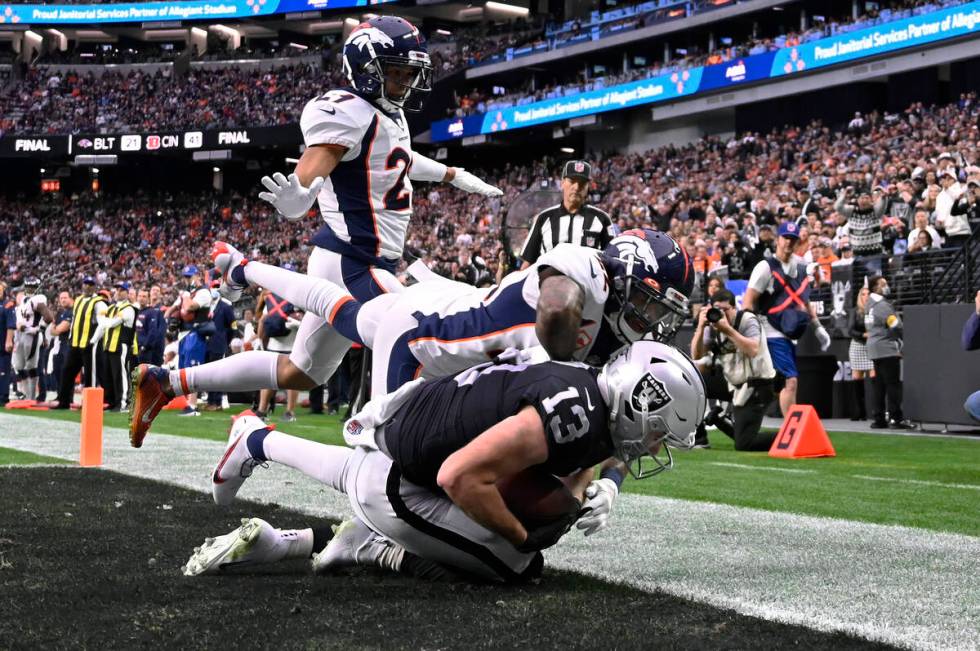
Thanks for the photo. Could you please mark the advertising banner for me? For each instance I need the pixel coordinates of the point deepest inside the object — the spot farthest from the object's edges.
(963, 20)
(58, 14)
(887, 37)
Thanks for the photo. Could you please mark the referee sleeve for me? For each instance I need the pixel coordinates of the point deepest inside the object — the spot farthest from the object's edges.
(606, 233)
(532, 246)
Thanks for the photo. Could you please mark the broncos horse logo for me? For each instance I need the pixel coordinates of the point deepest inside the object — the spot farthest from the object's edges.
(367, 37)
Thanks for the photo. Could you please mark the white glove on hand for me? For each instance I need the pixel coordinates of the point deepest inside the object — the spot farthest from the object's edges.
(601, 494)
(823, 337)
(470, 183)
(288, 196)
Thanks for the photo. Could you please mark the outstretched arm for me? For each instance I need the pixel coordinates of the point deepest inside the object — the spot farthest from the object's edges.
(469, 476)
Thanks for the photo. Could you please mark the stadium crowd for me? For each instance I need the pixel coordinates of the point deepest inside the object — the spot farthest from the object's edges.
(53, 102)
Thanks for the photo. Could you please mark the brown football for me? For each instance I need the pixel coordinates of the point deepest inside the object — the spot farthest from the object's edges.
(537, 498)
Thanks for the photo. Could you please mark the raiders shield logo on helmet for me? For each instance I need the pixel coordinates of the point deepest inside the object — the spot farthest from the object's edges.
(649, 394)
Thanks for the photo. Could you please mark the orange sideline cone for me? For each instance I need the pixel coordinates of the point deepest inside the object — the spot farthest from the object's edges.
(177, 403)
(90, 450)
(802, 435)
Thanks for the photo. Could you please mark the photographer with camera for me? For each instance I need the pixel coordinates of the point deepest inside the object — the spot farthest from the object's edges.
(736, 341)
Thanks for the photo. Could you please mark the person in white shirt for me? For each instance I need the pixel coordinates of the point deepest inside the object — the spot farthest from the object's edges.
(921, 222)
(957, 227)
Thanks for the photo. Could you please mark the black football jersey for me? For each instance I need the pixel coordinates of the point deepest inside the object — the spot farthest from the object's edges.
(446, 414)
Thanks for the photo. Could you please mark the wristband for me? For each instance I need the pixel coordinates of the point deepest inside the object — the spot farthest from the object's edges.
(614, 474)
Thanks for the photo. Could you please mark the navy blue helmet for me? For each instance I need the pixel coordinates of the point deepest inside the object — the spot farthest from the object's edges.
(377, 46)
(652, 279)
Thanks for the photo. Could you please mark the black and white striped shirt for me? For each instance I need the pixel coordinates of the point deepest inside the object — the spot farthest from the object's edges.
(553, 226)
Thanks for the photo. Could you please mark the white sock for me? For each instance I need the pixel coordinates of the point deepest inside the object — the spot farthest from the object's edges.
(297, 543)
(32, 388)
(325, 463)
(248, 371)
(314, 295)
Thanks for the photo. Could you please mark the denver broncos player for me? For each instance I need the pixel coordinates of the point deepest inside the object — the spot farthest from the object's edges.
(577, 303)
(359, 163)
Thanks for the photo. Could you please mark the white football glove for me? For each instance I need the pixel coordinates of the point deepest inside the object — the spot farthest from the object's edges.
(601, 494)
(471, 183)
(823, 337)
(532, 355)
(288, 196)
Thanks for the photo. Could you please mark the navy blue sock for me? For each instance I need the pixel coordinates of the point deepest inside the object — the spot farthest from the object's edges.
(238, 275)
(345, 321)
(256, 441)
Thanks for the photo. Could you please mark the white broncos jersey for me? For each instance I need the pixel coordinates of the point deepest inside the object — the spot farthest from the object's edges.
(367, 200)
(29, 316)
(460, 326)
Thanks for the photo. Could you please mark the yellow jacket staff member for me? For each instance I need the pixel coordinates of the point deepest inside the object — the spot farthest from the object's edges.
(118, 347)
(88, 308)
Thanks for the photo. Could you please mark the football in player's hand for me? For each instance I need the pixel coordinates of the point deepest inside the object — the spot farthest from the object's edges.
(537, 498)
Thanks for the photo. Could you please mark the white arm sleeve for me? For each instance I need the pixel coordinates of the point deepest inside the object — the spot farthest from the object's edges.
(129, 317)
(426, 169)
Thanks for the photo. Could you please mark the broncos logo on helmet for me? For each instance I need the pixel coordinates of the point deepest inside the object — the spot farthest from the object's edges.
(652, 279)
(377, 46)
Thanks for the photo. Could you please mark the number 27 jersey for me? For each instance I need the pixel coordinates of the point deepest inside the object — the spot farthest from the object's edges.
(367, 200)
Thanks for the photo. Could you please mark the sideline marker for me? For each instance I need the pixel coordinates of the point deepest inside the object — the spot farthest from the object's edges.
(179, 402)
(801, 436)
(90, 450)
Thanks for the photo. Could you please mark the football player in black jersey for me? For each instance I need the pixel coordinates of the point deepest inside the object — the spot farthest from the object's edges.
(422, 476)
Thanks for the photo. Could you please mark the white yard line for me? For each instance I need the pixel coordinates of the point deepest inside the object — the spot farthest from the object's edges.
(897, 480)
(751, 467)
(920, 482)
(910, 587)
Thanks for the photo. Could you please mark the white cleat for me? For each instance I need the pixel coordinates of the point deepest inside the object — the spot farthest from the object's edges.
(225, 258)
(236, 463)
(252, 543)
(353, 543)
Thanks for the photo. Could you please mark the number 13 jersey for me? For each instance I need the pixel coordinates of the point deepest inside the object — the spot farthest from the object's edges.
(444, 415)
(367, 200)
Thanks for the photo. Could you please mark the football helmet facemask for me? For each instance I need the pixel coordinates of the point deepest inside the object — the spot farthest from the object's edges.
(652, 278)
(389, 48)
(657, 399)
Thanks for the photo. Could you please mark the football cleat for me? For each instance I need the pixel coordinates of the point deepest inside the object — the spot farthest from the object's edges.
(256, 541)
(236, 463)
(353, 543)
(149, 396)
(229, 261)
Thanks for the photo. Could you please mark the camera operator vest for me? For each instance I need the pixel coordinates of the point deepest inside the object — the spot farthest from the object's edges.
(787, 306)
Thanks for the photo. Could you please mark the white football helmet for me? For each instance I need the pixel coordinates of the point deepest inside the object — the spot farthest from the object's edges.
(655, 395)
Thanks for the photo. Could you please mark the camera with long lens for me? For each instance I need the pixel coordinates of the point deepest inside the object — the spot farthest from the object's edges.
(714, 315)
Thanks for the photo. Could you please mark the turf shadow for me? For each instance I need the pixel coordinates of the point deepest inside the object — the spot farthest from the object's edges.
(91, 559)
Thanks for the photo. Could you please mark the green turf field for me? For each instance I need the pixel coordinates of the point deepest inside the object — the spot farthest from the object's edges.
(926, 482)
(10, 457)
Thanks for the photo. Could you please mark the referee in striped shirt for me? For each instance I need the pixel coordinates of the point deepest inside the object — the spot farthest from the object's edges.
(572, 221)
